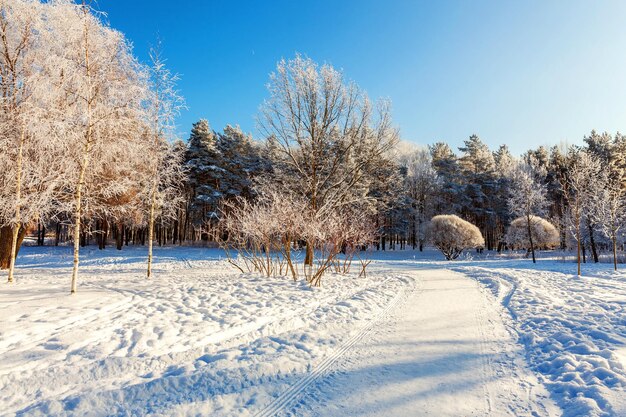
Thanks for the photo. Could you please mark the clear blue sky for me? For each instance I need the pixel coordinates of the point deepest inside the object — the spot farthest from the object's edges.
(525, 73)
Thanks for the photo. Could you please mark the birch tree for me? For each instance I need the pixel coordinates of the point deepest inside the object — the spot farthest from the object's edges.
(582, 168)
(29, 136)
(528, 199)
(610, 211)
(164, 104)
(105, 87)
(18, 21)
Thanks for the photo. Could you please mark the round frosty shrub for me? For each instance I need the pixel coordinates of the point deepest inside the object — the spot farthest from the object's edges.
(451, 235)
(544, 234)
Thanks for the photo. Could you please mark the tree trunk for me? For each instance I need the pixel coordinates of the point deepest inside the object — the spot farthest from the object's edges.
(57, 235)
(308, 259)
(18, 204)
(614, 240)
(104, 226)
(530, 238)
(6, 243)
(119, 236)
(584, 254)
(592, 242)
(415, 232)
(578, 237)
(41, 233)
(78, 213)
(287, 245)
(151, 226)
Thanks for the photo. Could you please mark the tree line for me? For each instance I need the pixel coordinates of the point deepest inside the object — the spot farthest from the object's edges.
(565, 196)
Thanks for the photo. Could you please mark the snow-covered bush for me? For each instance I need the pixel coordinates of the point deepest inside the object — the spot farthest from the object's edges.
(544, 234)
(451, 235)
(264, 232)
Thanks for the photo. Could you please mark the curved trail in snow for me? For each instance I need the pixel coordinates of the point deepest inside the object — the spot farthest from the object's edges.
(443, 351)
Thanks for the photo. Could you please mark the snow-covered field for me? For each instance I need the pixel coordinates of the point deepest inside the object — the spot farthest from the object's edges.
(198, 338)
(202, 339)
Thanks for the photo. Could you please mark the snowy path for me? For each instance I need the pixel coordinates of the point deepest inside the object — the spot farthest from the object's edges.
(445, 351)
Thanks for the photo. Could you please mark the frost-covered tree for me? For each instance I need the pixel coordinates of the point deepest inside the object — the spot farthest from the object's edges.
(205, 174)
(452, 235)
(480, 189)
(578, 190)
(163, 105)
(19, 23)
(422, 184)
(609, 209)
(30, 128)
(558, 204)
(528, 198)
(241, 162)
(544, 234)
(450, 193)
(326, 137)
(105, 88)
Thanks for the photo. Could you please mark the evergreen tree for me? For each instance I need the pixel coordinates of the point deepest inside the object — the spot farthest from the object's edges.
(445, 163)
(478, 168)
(504, 166)
(240, 160)
(205, 174)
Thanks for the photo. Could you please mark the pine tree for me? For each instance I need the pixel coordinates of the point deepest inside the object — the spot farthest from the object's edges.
(478, 168)
(240, 160)
(505, 164)
(205, 174)
(445, 163)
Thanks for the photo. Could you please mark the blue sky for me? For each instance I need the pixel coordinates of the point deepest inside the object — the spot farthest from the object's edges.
(523, 73)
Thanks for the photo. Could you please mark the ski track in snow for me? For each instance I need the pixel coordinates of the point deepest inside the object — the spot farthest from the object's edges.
(287, 397)
(445, 352)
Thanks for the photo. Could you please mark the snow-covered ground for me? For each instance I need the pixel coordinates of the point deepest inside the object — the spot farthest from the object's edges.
(573, 328)
(490, 336)
(198, 338)
(446, 353)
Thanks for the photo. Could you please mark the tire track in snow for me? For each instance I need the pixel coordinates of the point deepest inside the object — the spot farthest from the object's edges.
(486, 362)
(283, 401)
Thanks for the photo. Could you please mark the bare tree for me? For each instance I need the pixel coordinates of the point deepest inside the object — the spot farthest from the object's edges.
(323, 135)
(164, 104)
(105, 88)
(578, 191)
(527, 198)
(609, 209)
